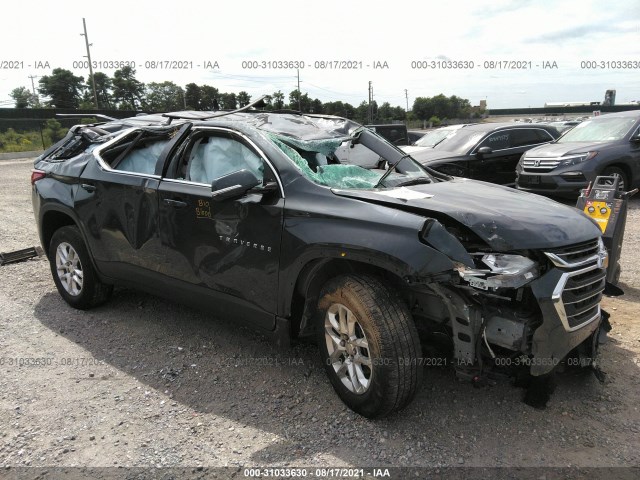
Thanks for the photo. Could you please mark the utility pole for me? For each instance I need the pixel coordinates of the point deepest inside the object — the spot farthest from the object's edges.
(370, 104)
(93, 80)
(406, 94)
(299, 93)
(33, 87)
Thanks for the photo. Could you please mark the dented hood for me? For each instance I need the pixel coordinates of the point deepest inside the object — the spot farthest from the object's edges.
(506, 219)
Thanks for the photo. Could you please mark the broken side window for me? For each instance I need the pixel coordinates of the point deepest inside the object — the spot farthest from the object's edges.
(137, 152)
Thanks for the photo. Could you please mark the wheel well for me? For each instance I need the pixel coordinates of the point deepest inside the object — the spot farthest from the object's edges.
(51, 222)
(313, 277)
(625, 168)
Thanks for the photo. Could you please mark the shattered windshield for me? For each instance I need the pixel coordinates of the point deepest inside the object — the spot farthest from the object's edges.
(348, 163)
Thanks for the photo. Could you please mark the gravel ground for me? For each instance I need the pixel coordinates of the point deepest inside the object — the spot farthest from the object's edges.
(144, 382)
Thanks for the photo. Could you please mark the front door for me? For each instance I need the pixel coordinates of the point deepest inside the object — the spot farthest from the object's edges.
(228, 249)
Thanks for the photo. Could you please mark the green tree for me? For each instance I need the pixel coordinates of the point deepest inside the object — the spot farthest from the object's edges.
(228, 101)
(422, 108)
(193, 96)
(349, 111)
(362, 113)
(268, 102)
(385, 113)
(441, 106)
(304, 105)
(243, 99)
(128, 92)
(209, 98)
(333, 108)
(278, 100)
(164, 97)
(104, 84)
(62, 87)
(316, 106)
(23, 98)
(399, 113)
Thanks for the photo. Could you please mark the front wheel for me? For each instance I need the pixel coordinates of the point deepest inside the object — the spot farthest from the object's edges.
(73, 272)
(623, 183)
(369, 345)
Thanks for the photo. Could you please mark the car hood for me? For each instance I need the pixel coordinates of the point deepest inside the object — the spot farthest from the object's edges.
(554, 150)
(506, 219)
(414, 148)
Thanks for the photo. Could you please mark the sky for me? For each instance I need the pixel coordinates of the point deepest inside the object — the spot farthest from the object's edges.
(219, 41)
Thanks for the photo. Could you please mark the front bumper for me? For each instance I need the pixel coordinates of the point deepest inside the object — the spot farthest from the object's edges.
(569, 299)
(561, 181)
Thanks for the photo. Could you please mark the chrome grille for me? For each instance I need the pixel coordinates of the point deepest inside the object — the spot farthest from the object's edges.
(578, 292)
(575, 255)
(540, 165)
(581, 297)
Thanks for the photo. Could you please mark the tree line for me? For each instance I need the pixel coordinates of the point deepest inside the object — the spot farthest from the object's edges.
(63, 89)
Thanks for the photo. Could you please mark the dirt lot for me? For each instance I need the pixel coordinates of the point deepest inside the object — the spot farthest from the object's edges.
(144, 382)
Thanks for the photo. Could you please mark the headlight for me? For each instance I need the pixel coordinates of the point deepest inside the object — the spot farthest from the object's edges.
(505, 271)
(575, 159)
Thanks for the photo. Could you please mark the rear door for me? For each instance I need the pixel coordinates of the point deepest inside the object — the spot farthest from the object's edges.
(227, 250)
(117, 203)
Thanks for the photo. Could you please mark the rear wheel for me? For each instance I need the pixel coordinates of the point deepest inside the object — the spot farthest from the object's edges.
(369, 345)
(73, 272)
(617, 172)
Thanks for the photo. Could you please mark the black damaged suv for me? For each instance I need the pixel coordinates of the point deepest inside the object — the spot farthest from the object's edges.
(251, 216)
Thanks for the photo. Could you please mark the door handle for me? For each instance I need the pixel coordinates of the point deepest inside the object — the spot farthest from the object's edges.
(88, 187)
(174, 203)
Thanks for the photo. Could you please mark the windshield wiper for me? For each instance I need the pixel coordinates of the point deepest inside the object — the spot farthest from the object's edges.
(414, 181)
(389, 170)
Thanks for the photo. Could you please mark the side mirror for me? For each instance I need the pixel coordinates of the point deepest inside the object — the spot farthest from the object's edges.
(233, 184)
(483, 151)
(635, 138)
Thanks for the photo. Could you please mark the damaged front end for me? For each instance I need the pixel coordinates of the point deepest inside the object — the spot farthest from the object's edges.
(518, 310)
(527, 274)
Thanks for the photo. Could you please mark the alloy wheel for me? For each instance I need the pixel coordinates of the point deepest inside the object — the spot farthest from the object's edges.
(69, 269)
(348, 348)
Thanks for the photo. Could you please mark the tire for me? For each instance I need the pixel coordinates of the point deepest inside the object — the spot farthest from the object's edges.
(369, 345)
(73, 272)
(616, 171)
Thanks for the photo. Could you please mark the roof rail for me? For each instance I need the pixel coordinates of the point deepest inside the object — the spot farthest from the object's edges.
(205, 116)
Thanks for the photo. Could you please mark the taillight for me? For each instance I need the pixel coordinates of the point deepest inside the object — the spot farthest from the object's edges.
(37, 175)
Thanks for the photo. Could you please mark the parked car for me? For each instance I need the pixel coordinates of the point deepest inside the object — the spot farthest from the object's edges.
(604, 145)
(564, 125)
(396, 133)
(485, 151)
(250, 216)
(433, 137)
(415, 135)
